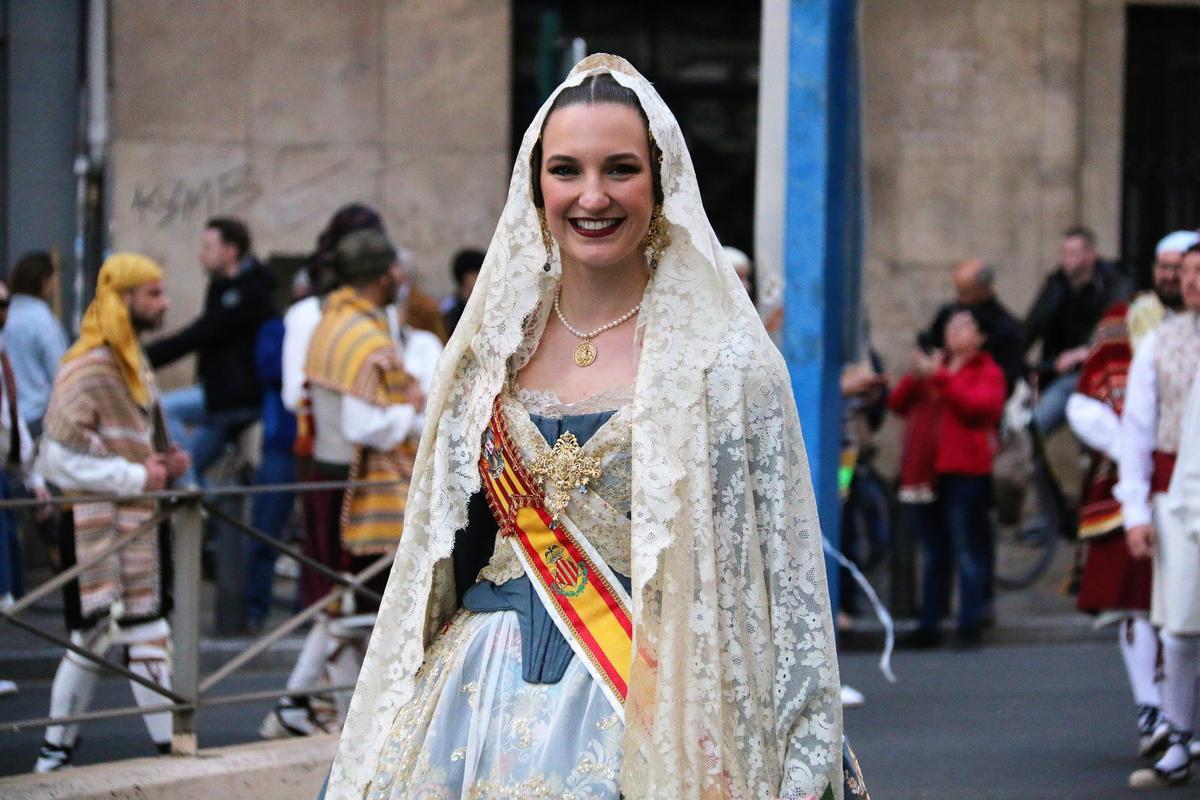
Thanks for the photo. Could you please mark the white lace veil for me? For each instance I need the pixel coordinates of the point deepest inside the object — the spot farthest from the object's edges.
(734, 688)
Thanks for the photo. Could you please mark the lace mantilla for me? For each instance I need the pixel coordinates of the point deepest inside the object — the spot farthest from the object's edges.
(734, 688)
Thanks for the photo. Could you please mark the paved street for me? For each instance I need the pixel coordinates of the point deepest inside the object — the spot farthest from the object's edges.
(1052, 722)
(1007, 723)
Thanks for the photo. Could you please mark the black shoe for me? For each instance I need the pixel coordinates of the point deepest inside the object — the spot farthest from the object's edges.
(53, 757)
(1156, 778)
(1153, 732)
(921, 639)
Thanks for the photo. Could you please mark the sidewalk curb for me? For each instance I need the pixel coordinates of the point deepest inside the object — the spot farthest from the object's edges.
(284, 769)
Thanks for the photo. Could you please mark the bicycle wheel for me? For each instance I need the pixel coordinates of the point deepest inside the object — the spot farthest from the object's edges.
(1026, 541)
(1024, 551)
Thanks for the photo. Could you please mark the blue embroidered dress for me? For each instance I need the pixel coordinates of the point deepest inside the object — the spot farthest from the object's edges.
(502, 708)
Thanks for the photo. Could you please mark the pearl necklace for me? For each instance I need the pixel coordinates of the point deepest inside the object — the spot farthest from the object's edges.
(585, 351)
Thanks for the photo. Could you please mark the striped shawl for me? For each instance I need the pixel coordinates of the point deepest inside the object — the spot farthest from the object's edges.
(352, 354)
(92, 412)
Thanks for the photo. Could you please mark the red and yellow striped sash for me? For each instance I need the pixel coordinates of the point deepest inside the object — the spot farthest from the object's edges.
(579, 591)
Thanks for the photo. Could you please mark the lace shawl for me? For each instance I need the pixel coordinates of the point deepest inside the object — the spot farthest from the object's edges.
(734, 687)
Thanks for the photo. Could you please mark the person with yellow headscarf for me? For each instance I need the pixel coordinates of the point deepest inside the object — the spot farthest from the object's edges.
(104, 434)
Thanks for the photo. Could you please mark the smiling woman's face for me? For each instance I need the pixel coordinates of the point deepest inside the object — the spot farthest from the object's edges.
(597, 184)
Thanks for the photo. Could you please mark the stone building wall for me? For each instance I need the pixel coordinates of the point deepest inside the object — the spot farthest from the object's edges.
(991, 125)
(279, 111)
(973, 112)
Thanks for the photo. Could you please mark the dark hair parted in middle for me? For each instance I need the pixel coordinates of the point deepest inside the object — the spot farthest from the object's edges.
(592, 90)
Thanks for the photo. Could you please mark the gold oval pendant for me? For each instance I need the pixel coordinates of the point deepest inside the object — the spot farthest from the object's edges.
(585, 354)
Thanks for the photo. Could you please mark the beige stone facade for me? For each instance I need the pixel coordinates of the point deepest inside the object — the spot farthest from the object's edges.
(991, 125)
(279, 111)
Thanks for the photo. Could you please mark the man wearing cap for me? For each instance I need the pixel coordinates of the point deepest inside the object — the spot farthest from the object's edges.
(365, 417)
(1114, 585)
(1163, 372)
(104, 433)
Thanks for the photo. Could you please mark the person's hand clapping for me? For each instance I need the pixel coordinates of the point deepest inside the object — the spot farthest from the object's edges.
(925, 364)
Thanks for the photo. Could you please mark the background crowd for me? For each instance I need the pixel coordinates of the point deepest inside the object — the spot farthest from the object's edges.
(981, 385)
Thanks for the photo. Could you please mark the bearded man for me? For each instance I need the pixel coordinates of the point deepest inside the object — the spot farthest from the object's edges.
(104, 433)
(1114, 585)
(1161, 377)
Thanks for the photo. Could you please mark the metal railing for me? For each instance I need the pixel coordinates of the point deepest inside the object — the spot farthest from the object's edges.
(190, 691)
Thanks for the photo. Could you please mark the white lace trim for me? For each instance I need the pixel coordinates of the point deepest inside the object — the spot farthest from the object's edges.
(545, 403)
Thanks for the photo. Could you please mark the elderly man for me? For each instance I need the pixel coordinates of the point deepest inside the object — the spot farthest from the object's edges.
(104, 433)
(366, 414)
(1114, 585)
(974, 289)
(1163, 372)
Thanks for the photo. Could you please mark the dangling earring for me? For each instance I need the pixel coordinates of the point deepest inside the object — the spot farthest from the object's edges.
(657, 238)
(541, 212)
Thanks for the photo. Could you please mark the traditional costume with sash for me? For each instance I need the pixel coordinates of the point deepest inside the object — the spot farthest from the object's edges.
(1111, 579)
(105, 405)
(1176, 597)
(102, 424)
(582, 595)
(659, 629)
(352, 354)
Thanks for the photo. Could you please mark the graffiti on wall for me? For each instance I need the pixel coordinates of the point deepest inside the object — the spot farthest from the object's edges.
(185, 201)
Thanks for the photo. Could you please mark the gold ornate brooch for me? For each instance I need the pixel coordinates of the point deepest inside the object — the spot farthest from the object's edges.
(567, 468)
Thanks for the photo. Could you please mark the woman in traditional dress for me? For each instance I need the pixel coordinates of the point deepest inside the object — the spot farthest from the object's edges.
(611, 580)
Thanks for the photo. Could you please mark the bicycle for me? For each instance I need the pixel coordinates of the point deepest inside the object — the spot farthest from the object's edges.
(1032, 512)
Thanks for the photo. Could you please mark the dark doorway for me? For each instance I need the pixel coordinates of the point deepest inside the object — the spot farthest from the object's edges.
(701, 56)
(1162, 130)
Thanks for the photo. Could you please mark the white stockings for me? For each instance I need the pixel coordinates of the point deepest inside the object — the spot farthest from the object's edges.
(1181, 667)
(1139, 649)
(147, 655)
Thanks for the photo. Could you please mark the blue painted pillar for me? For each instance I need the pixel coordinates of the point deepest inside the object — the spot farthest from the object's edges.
(822, 236)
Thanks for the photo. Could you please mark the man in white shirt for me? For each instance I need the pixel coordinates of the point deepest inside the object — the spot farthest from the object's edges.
(104, 434)
(1113, 585)
(1161, 377)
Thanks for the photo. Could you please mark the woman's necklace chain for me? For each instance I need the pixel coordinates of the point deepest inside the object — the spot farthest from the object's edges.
(585, 351)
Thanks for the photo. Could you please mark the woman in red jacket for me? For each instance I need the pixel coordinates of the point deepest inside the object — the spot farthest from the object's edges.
(966, 387)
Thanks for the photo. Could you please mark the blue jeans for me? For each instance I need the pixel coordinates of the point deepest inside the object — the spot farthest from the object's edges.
(12, 570)
(201, 433)
(1051, 410)
(955, 534)
(270, 514)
